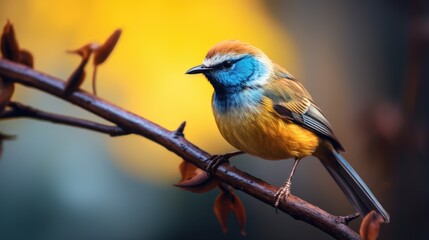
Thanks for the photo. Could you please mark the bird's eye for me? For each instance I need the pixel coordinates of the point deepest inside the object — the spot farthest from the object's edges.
(227, 64)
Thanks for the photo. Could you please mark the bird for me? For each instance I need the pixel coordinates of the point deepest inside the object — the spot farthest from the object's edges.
(263, 110)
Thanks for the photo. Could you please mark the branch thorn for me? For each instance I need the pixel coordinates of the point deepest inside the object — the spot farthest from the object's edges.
(179, 130)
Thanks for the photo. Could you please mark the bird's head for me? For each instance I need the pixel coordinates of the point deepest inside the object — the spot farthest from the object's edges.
(233, 65)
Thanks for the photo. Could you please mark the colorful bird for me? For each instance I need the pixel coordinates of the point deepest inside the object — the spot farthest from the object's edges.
(261, 109)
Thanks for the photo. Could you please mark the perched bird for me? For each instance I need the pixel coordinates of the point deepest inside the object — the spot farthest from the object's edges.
(261, 109)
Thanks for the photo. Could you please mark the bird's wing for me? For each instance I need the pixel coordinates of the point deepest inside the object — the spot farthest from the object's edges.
(292, 102)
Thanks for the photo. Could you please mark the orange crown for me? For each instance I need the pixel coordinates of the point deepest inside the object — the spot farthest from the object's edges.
(234, 47)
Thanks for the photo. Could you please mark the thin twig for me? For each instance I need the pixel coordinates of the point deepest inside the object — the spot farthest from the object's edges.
(20, 110)
(94, 80)
(348, 218)
(294, 206)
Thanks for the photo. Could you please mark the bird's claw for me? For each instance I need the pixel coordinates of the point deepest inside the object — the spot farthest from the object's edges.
(283, 192)
(217, 160)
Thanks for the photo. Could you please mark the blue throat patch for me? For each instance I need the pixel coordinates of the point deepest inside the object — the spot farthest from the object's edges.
(238, 101)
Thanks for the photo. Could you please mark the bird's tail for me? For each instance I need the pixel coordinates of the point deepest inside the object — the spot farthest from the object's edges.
(351, 184)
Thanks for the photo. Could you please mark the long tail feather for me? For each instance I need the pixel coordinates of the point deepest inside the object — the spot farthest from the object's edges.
(352, 185)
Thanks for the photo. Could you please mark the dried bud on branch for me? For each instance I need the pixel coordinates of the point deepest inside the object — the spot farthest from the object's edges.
(370, 226)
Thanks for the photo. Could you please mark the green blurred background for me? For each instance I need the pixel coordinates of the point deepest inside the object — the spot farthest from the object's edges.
(365, 64)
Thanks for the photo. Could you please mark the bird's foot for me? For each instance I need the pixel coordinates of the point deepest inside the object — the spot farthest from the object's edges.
(217, 160)
(283, 192)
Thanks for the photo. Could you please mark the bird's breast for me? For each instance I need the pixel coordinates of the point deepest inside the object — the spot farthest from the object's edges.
(255, 129)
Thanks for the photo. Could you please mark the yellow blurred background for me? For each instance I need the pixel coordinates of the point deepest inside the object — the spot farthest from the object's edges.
(357, 59)
(145, 74)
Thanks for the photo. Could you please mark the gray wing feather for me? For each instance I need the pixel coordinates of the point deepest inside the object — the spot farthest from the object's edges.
(312, 119)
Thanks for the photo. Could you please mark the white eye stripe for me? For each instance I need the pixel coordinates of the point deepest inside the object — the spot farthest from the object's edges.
(222, 57)
(219, 58)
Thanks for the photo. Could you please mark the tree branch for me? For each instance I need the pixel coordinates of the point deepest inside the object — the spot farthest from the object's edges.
(294, 206)
(21, 110)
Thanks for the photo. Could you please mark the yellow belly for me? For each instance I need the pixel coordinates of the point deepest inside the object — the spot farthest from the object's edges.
(262, 133)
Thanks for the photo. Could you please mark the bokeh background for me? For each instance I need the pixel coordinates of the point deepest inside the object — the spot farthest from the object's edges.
(365, 63)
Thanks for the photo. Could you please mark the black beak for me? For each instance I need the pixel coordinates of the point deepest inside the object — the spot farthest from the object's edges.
(198, 69)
